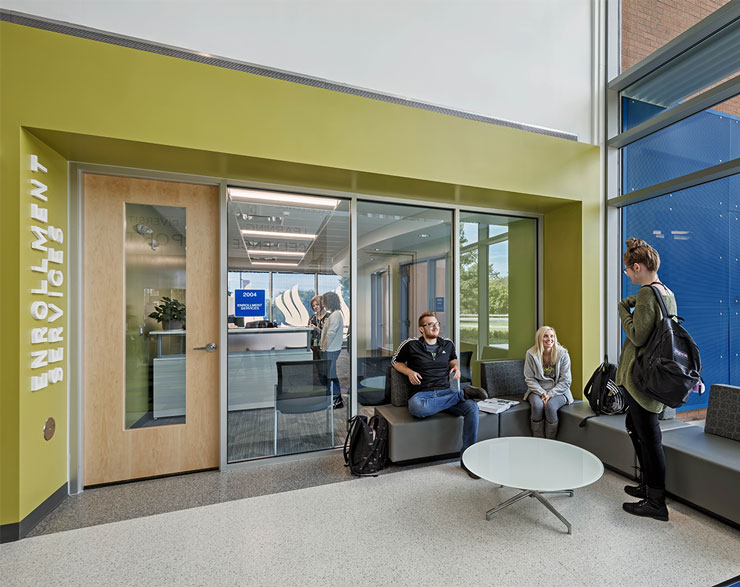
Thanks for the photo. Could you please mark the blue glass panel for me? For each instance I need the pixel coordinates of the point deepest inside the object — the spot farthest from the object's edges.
(635, 112)
(733, 198)
(699, 245)
(700, 141)
(734, 289)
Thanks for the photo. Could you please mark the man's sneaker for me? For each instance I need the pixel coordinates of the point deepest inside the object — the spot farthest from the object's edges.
(474, 393)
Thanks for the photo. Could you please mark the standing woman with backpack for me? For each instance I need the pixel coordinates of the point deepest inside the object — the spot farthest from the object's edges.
(640, 315)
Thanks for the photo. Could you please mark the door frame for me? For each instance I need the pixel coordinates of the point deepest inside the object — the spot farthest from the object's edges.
(75, 203)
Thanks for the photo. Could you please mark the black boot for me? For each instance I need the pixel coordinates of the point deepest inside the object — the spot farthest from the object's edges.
(639, 491)
(652, 507)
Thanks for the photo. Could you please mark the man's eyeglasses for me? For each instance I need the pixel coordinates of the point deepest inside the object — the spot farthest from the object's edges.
(430, 325)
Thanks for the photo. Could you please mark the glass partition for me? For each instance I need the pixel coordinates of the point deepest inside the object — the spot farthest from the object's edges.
(155, 315)
(498, 293)
(403, 269)
(288, 388)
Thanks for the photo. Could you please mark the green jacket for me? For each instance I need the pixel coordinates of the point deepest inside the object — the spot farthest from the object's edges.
(638, 325)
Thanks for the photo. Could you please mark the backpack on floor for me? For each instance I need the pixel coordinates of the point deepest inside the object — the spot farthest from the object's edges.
(670, 366)
(602, 393)
(366, 445)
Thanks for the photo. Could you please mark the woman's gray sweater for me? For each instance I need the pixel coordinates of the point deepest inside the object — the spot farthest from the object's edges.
(538, 383)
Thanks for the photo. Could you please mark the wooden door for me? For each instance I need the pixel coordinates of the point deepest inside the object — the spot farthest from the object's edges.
(113, 449)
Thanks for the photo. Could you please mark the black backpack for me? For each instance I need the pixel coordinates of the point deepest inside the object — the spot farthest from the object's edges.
(602, 393)
(669, 367)
(366, 445)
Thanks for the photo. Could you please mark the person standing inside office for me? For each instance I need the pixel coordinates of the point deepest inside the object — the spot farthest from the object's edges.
(332, 335)
(428, 362)
(640, 315)
(316, 323)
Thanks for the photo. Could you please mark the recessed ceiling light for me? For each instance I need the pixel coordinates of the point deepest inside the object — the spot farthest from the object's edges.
(275, 264)
(269, 253)
(283, 198)
(424, 235)
(273, 234)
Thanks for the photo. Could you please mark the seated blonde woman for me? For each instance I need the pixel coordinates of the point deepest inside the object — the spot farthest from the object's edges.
(547, 373)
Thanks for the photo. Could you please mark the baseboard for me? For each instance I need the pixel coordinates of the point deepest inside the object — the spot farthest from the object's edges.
(18, 530)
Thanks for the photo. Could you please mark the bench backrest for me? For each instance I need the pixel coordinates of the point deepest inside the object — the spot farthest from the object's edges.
(501, 378)
(723, 412)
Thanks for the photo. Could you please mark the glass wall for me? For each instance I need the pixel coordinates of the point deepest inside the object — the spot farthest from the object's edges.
(403, 269)
(498, 277)
(288, 389)
(288, 392)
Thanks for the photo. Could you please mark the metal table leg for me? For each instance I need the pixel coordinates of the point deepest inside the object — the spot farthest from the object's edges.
(538, 494)
(550, 507)
(508, 502)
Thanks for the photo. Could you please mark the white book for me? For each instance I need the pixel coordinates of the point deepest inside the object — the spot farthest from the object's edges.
(496, 406)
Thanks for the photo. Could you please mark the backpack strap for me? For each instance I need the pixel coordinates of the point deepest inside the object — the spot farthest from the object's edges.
(659, 297)
(582, 424)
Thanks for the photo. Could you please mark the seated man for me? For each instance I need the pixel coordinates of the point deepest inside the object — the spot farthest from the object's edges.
(428, 362)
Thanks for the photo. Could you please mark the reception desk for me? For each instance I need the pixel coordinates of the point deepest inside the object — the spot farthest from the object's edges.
(252, 357)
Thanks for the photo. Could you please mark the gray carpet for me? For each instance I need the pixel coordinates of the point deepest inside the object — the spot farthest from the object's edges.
(250, 433)
(418, 527)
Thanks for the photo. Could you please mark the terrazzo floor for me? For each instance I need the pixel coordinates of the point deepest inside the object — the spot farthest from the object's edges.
(422, 526)
(125, 501)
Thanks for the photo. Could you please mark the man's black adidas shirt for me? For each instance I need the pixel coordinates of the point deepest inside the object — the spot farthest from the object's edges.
(434, 370)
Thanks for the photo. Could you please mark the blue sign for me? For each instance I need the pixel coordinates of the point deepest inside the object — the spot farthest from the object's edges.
(439, 304)
(249, 302)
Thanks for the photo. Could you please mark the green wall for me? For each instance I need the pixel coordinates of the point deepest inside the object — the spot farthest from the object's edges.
(104, 104)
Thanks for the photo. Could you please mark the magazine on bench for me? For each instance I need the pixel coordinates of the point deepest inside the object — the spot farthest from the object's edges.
(496, 406)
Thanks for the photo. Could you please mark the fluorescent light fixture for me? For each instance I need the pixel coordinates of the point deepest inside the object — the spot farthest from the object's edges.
(273, 234)
(275, 264)
(269, 253)
(283, 198)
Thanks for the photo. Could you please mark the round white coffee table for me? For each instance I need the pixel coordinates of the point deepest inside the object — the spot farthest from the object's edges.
(534, 465)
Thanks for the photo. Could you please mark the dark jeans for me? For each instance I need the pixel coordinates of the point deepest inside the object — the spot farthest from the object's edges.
(332, 378)
(644, 432)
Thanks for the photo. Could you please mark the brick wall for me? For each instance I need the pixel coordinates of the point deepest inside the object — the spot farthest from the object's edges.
(647, 25)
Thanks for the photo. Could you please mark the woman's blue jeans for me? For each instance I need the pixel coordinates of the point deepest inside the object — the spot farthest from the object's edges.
(452, 401)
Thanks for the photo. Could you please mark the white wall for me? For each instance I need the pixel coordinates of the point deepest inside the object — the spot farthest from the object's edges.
(529, 61)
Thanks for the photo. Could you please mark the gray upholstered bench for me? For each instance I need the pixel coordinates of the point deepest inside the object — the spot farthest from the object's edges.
(411, 439)
(604, 436)
(703, 465)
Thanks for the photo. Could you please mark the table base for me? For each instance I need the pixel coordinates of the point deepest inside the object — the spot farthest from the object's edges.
(540, 498)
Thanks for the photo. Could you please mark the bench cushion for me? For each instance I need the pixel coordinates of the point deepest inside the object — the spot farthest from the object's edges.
(703, 469)
(413, 438)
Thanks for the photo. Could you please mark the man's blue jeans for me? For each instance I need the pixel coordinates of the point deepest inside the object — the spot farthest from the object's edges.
(452, 401)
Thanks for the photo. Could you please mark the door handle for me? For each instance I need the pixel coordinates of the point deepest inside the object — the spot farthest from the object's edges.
(209, 348)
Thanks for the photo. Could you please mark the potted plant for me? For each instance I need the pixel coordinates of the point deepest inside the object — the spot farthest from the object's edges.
(170, 312)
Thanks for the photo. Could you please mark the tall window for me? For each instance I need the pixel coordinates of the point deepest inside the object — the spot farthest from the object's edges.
(680, 156)
(498, 269)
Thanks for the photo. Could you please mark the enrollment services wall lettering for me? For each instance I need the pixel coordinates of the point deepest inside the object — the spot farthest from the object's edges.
(47, 364)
